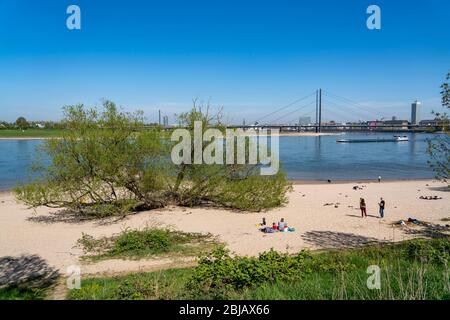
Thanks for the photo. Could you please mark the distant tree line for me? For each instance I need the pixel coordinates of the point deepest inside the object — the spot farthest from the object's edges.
(23, 124)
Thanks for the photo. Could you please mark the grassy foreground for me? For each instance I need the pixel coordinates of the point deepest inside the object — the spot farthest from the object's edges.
(23, 294)
(30, 133)
(416, 269)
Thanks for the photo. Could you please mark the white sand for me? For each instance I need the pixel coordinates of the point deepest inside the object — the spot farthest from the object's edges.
(24, 232)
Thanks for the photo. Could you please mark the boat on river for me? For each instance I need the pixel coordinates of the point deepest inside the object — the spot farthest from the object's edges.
(393, 139)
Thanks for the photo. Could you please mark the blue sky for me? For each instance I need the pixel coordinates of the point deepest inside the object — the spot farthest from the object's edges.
(250, 57)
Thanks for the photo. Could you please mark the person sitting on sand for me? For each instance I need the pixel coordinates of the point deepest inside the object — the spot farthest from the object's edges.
(362, 206)
(281, 224)
(274, 226)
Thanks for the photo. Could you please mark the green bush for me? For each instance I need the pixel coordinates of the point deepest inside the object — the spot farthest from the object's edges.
(429, 251)
(150, 240)
(407, 266)
(146, 242)
(218, 274)
(254, 193)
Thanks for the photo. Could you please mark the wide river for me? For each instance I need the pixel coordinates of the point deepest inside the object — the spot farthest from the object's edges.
(309, 158)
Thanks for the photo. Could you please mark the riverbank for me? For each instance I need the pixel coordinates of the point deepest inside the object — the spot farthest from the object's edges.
(354, 181)
(37, 135)
(324, 216)
(25, 138)
(29, 134)
(308, 134)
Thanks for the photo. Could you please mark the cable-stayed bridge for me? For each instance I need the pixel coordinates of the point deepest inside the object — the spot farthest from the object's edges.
(320, 110)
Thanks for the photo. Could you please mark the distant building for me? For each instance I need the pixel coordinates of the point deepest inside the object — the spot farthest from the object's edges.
(434, 123)
(398, 124)
(426, 123)
(375, 123)
(303, 121)
(394, 118)
(165, 121)
(416, 107)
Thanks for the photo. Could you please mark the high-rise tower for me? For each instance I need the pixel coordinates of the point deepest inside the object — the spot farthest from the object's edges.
(415, 112)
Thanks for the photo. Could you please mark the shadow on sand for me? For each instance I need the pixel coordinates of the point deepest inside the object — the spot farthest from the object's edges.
(333, 240)
(428, 231)
(70, 216)
(441, 189)
(359, 216)
(30, 271)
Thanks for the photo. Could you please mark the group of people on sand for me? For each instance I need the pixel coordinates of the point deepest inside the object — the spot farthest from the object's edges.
(363, 206)
(281, 226)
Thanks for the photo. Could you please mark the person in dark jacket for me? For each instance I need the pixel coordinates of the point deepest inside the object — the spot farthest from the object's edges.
(381, 205)
(362, 206)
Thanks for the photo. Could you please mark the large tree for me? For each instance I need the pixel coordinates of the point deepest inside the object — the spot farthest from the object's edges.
(107, 162)
(22, 123)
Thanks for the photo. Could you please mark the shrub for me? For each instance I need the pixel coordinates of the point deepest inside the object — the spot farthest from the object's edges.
(254, 193)
(150, 240)
(431, 251)
(146, 242)
(218, 274)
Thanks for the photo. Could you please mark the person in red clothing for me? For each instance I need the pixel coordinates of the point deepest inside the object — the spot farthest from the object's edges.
(274, 226)
(362, 206)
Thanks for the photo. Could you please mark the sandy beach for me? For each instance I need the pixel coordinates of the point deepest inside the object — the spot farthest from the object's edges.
(324, 215)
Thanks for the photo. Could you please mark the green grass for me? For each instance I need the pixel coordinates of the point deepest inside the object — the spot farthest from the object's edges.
(23, 294)
(30, 133)
(168, 284)
(411, 270)
(136, 244)
(410, 282)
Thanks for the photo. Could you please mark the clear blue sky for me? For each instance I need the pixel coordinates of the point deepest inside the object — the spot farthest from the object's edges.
(248, 56)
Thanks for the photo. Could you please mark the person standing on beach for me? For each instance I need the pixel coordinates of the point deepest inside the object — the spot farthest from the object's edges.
(381, 204)
(362, 206)
(379, 178)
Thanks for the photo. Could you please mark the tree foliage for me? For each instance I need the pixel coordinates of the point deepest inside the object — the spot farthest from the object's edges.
(236, 186)
(100, 165)
(22, 123)
(107, 162)
(439, 147)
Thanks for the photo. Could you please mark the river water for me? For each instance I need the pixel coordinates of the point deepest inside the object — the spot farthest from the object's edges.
(309, 158)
